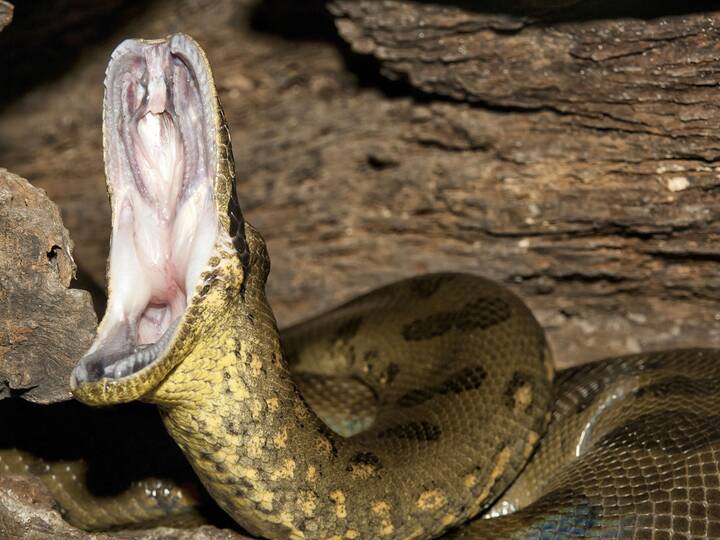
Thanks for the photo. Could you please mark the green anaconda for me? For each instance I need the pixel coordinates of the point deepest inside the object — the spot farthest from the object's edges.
(412, 412)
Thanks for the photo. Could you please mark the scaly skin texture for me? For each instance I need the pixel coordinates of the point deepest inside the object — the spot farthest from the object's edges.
(105, 468)
(145, 503)
(632, 452)
(273, 465)
(437, 390)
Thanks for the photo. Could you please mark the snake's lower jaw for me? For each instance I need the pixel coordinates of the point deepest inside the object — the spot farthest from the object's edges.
(106, 367)
(161, 156)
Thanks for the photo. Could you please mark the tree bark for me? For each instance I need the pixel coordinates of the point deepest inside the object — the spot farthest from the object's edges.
(44, 326)
(569, 154)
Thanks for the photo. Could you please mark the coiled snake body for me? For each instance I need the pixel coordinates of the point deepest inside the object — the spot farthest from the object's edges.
(406, 413)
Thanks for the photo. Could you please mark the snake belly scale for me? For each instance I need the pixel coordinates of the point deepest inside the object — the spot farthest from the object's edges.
(408, 413)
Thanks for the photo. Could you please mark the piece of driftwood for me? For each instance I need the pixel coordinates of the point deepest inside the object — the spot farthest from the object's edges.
(569, 156)
(44, 326)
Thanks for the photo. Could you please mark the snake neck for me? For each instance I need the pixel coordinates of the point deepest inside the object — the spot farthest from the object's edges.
(261, 451)
(233, 409)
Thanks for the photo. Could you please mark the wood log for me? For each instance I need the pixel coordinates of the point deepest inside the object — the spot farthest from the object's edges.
(572, 157)
(44, 326)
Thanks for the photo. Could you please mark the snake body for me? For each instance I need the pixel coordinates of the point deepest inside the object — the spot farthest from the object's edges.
(406, 413)
(106, 469)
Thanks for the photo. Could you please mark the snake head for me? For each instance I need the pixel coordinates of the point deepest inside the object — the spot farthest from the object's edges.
(177, 229)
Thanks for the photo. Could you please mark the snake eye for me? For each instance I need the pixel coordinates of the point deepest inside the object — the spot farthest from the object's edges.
(161, 156)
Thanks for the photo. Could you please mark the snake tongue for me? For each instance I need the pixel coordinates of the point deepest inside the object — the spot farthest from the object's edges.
(160, 155)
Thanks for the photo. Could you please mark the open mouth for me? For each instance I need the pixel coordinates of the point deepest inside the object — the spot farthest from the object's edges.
(160, 159)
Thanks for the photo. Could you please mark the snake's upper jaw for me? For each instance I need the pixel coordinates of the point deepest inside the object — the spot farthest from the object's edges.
(162, 158)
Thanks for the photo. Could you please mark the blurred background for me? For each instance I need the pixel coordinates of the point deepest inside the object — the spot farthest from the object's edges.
(567, 148)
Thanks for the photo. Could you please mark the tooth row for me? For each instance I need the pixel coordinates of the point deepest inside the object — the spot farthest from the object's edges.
(142, 356)
(131, 364)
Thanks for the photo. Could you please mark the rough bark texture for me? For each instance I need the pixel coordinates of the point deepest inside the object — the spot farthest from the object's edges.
(596, 143)
(44, 326)
(571, 158)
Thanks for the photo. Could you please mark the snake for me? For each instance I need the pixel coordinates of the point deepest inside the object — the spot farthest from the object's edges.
(427, 408)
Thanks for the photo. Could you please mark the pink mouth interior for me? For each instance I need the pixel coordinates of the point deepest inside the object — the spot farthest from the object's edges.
(160, 155)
